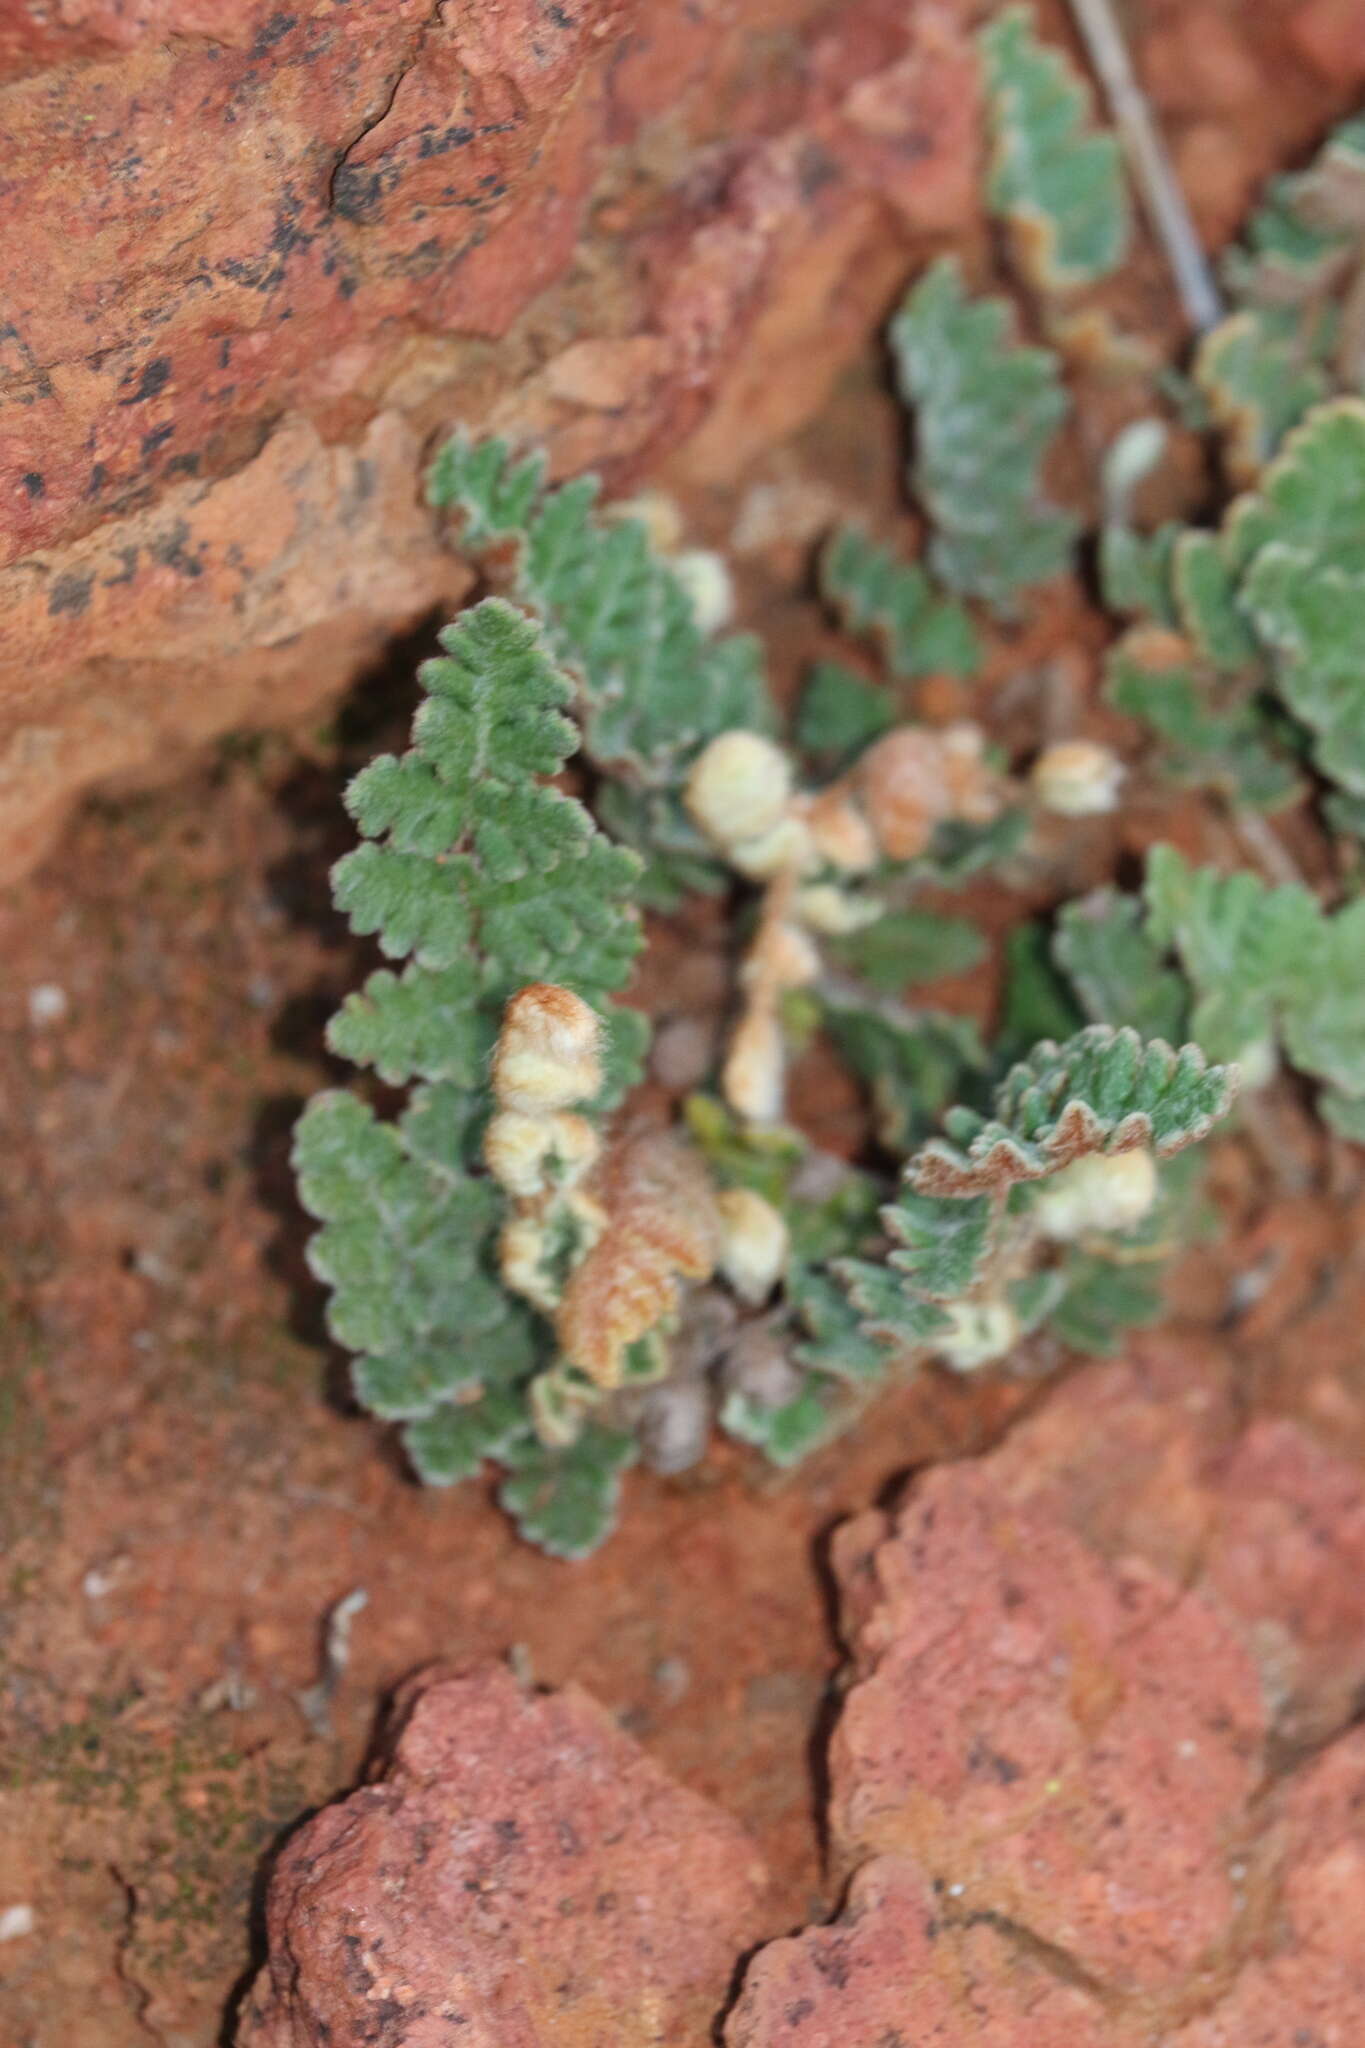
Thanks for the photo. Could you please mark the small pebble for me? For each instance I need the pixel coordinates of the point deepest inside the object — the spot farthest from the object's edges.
(16, 1921)
(674, 1425)
(673, 1676)
(757, 1366)
(683, 1052)
(47, 1004)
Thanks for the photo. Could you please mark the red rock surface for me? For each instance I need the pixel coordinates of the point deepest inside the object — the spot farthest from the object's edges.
(1303, 1986)
(894, 1970)
(237, 235)
(521, 1874)
(1064, 1773)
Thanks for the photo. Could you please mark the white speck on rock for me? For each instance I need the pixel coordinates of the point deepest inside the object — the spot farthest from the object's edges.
(15, 1922)
(47, 1004)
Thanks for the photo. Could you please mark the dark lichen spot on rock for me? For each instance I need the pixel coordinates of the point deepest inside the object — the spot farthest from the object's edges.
(128, 556)
(170, 550)
(815, 169)
(70, 593)
(434, 143)
(157, 439)
(155, 377)
(356, 193)
(34, 483)
(272, 32)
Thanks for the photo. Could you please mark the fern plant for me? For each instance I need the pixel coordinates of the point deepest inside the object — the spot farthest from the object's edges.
(535, 1270)
(1250, 668)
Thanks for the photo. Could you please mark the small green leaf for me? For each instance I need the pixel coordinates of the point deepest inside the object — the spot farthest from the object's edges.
(905, 948)
(836, 1342)
(565, 1501)
(1206, 601)
(1251, 368)
(1302, 237)
(1344, 1113)
(986, 411)
(913, 1065)
(480, 479)
(840, 714)
(1115, 967)
(1211, 738)
(1104, 1299)
(893, 602)
(889, 1312)
(1037, 1001)
(415, 906)
(1247, 948)
(625, 1042)
(1311, 614)
(1135, 571)
(1058, 183)
(452, 1443)
(960, 850)
(945, 1242)
(785, 1435)
(1324, 1008)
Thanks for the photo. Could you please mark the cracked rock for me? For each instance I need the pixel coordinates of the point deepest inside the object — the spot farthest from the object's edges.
(519, 1874)
(1071, 1778)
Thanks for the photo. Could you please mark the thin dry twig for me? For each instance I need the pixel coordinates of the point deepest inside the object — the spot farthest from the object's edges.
(1161, 191)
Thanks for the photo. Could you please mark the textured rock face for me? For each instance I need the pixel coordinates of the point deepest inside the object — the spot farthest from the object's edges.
(242, 240)
(520, 1875)
(1058, 1777)
(1089, 1786)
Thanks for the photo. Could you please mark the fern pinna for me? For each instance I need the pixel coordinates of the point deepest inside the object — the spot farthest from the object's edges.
(482, 878)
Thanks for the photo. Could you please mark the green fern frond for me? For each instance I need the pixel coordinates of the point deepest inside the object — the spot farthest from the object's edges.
(652, 688)
(565, 1501)
(1307, 228)
(944, 1242)
(1260, 379)
(1102, 1091)
(482, 878)
(1212, 734)
(913, 1064)
(986, 412)
(894, 603)
(1057, 182)
(1310, 614)
(1101, 1300)
(1117, 969)
(485, 878)
(1267, 966)
(406, 1249)
(785, 1434)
